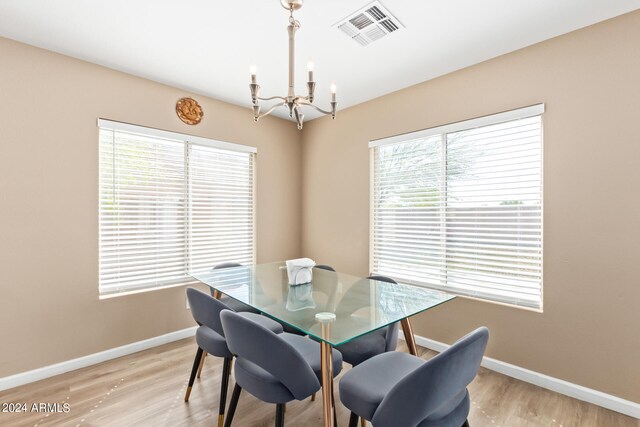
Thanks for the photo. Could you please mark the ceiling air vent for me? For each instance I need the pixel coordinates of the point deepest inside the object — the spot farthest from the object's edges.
(360, 21)
(369, 24)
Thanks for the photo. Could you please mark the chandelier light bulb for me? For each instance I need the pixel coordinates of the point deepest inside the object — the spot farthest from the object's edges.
(310, 69)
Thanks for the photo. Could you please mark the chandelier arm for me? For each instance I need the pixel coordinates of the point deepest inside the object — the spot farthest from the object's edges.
(281, 98)
(307, 103)
(266, 113)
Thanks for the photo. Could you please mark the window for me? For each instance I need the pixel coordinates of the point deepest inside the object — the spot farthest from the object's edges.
(170, 204)
(459, 207)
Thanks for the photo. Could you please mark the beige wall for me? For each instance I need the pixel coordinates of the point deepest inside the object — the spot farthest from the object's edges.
(49, 306)
(590, 83)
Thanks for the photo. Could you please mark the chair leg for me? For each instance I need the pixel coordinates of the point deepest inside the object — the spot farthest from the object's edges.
(224, 386)
(280, 415)
(353, 420)
(204, 355)
(235, 397)
(194, 371)
(466, 423)
(363, 422)
(313, 397)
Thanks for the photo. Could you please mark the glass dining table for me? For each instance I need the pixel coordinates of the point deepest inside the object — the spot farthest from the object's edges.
(334, 308)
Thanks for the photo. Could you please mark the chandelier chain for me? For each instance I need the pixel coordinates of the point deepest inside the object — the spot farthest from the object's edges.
(293, 21)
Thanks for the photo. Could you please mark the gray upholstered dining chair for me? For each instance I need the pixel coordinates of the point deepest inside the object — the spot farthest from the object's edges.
(324, 267)
(379, 341)
(289, 370)
(210, 338)
(233, 303)
(397, 389)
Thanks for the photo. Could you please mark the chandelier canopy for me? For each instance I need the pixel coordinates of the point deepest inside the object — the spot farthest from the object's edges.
(292, 101)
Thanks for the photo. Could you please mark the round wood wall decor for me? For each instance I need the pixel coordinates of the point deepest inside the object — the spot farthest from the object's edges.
(189, 111)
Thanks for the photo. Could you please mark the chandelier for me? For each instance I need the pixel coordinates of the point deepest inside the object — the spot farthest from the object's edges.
(292, 101)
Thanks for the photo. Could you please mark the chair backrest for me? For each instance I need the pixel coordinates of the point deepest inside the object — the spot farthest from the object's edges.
(205, 309)
(355, 298)
(392, 330)
(224, 265)
(227, 265)
(439, 381)
(257, 344)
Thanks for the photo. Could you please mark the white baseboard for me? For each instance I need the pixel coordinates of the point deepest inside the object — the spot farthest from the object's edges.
(91, 359)
(576, 391)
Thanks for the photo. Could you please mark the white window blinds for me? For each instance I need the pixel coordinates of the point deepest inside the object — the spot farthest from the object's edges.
(170, 204)
(459, 208)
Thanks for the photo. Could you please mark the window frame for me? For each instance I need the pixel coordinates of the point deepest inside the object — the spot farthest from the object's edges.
(443, 131)
(188, 141)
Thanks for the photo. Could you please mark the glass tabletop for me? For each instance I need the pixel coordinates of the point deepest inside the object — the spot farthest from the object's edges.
(351, 306)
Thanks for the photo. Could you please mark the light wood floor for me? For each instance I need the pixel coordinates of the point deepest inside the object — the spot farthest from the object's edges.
(147, 389)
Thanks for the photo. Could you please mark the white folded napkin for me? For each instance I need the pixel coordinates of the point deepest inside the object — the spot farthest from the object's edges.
(299, 270)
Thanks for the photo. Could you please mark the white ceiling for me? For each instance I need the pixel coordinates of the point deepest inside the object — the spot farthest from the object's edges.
(207, 47)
